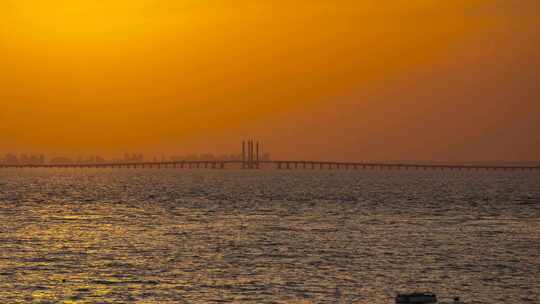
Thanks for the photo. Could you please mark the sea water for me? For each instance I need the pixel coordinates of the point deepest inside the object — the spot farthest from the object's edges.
(220, 236)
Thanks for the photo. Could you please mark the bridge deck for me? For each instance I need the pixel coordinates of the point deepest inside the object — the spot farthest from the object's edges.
(278, 164)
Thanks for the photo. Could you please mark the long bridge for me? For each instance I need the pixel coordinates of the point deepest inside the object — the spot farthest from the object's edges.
(251, 160)
(277, 164)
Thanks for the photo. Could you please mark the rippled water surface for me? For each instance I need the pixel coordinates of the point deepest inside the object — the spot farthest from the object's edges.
(171, 236)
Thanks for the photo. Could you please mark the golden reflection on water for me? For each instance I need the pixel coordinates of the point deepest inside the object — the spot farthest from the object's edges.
(234, 237)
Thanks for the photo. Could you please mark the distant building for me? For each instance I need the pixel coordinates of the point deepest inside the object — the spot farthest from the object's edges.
(207, 156)
(24, 160)
(61, 161)
(11, 159)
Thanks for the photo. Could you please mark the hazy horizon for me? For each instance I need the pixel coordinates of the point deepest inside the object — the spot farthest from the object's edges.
(208, 155)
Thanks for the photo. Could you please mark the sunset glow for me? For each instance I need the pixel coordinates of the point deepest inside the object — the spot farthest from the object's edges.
(160, 76)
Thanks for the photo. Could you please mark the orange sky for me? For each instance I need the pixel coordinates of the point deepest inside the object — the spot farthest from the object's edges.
(318, 79)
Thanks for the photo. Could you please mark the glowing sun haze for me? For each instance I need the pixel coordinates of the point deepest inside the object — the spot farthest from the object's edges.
(315, 79)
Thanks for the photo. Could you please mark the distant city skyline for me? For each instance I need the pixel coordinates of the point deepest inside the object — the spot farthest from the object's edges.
(42, 159)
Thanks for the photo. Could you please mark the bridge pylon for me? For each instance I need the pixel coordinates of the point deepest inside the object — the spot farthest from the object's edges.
(250, 154)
